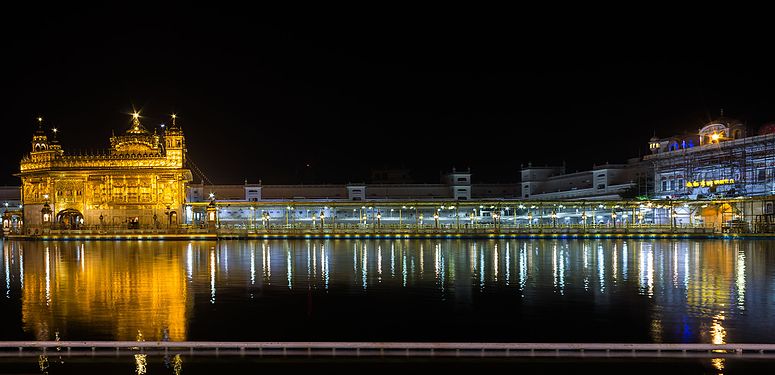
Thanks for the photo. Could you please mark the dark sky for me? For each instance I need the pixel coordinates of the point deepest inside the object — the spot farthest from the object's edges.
(262, 96)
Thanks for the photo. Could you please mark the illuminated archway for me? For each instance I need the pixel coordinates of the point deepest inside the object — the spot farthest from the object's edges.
(69, 219)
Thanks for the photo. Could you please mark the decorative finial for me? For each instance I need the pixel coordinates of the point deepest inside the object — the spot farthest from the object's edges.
(40, 123)
(136, 120)
(174, 117)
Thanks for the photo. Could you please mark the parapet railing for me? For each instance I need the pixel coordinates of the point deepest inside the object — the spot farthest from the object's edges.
(380, 349)
(369, 229)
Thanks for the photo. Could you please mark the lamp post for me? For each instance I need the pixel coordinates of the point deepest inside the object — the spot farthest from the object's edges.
(379, 219)
(419, 219)
(287, 214)
(529, 219)
(314, 220)
(322, 219)
(613, 217)
(554, 219)
(495, 218)
(436, 218)
(584, 219)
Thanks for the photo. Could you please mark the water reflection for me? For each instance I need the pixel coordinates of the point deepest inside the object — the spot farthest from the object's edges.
(687, 291)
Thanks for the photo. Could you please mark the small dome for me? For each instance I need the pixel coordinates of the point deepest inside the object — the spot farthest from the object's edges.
(729, 122)
(768, 128)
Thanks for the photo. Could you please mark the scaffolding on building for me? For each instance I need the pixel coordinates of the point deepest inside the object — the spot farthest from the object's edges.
(736, 168)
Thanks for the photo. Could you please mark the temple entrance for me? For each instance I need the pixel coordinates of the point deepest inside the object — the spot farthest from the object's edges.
(12, 222)
(173, 218)
(69, 219)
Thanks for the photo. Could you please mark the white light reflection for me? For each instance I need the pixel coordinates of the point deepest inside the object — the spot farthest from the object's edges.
(21, 267)
(508, 263)
(309, 261)
(355, 259)
(740, 279)
(614, 263)
(686, 268)
(601, 268)
(289, 268)
(554, 266)
(225, 258)
(481, 270)
(675, 266)
(422, 260)
(379, 263)
(443, 271)
(266, 257)
(324, 262)
(212, 275)
(436, 260)
(190, 262)
(523, 268)
(561, 256)
(364, 266)
(650, 272)
(625, 261)
(403, 266)
(585, 259)
(495, 263)
(392, 260)
(252, 265)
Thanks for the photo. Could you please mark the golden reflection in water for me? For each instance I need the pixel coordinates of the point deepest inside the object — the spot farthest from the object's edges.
(717, 332)
(141, 362)
(718, 364)
(106, 287)
(177, 364)
(43, 364)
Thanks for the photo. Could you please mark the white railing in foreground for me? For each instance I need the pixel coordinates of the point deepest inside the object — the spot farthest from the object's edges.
(383, 348)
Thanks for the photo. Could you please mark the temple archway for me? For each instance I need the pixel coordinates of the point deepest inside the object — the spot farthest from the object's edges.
(69, 219)
(173, 218)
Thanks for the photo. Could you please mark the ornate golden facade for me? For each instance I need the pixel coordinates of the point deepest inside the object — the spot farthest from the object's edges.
(140, 182)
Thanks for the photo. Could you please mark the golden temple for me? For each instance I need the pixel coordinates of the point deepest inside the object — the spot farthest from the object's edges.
(140, 182)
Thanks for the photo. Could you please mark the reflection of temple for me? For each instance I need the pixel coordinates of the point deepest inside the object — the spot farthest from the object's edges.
(120, 295)
(141, 181)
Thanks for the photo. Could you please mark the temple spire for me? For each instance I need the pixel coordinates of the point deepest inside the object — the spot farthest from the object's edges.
(136, 120)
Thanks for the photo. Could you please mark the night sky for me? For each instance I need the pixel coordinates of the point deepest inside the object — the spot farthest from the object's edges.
(327, 100)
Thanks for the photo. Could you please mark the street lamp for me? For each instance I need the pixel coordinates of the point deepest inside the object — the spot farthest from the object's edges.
(322, 219)
(436, 218)
(379, 218)
(613, 217)
(554, 218)
(584, 219)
